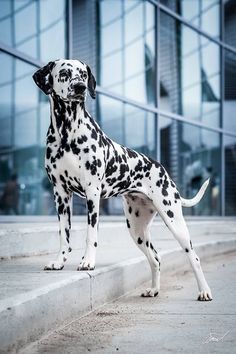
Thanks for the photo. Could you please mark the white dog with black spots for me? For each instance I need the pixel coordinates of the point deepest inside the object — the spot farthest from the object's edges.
(81, 159)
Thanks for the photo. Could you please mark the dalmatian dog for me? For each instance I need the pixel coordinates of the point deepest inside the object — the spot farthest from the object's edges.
(82, 159)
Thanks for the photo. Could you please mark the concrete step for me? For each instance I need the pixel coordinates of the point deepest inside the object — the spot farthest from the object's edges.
(20, 239)
(33, 302)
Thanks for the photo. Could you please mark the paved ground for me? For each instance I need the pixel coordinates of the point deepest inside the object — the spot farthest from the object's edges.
(173, 323)
(21, 275)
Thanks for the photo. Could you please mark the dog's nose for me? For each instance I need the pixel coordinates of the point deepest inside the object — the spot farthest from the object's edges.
(79, 87)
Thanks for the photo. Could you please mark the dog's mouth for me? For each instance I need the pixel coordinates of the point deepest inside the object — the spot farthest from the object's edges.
(76, 97)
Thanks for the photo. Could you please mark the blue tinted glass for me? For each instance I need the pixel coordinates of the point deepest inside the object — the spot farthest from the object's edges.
(23, 183)
(230, 175)
(203, 14)
(230, 92)
(189, 72)
(127, 64)
(197, 158)
(6, 94)
(37, 28)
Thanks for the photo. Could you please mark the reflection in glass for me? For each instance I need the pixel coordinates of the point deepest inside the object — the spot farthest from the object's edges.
(127, 50)
(204, 14)
(37, 28)
(230, 92)
(191, 155)
(230, 175)
(230, 125)
(230, 22)
(23, 182)
(189, 73)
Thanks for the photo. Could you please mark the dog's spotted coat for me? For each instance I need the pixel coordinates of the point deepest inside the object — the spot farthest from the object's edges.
(81, 159)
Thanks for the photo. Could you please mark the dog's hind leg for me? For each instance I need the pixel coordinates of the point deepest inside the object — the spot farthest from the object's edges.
(63, 202)
(139, 214)
(171, 213)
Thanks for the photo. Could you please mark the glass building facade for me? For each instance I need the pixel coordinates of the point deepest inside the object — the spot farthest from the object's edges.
(166, 75)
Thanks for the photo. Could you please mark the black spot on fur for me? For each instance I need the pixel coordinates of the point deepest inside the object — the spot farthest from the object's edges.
(94, 134)
(90, 206)
(177, 196)
(48, 152)
(140, 241)
(137, 213)
(130, 210)
(95, 244)
(186, 250)
(170, 214)
(164, 192)
(94, 219)
(128, 224)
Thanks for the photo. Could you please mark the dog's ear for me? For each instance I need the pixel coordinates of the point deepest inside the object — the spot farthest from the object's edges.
(43, 78)
(91, 83)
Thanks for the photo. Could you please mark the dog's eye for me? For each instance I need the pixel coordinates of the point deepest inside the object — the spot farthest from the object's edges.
(65, 74)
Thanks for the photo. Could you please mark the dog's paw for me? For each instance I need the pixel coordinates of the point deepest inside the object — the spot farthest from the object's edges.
(54, 265)
(86, 265)
(205, 295)
(150, 292)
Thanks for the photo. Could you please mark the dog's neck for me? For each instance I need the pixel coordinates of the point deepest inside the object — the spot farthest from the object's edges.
(66, 117)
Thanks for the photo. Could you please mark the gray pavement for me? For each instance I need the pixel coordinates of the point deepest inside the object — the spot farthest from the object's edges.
(44, 300)
(24, 274)
(172, 323)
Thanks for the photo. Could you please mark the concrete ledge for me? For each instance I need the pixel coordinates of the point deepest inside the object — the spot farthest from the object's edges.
(30, 239)
(24, 318)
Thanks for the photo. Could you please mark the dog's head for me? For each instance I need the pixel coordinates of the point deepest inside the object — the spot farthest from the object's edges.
(68, 79)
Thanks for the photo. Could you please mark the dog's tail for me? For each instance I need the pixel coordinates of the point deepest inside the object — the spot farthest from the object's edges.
(191, 202)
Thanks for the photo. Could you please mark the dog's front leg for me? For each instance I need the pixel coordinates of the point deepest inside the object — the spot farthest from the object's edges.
(63, 206)
(88, 261)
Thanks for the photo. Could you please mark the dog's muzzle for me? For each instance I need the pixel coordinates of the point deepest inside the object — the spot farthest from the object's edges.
(77, 90)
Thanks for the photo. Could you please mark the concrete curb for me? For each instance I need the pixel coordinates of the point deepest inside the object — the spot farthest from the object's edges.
(29, 239)
(24, 318)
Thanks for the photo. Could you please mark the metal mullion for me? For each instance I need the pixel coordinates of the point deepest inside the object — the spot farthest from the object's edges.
(222, 95)
(162, 113)
(69, 14)
(20, 55)
(158, 83)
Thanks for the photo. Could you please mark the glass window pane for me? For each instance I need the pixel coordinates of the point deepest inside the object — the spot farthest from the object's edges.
(144, 138)
(44, 36)
(6, 30)
(131, 18)
(189, 73)
(191, 155)
(24, 186)
(202, 14)
(111, 116)
(229, 22)
(24, 28)
(53, 29)
(230, 125)
(230, 175)
(230, 92)
(127, 64)
(53, 42)
(110, 11)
